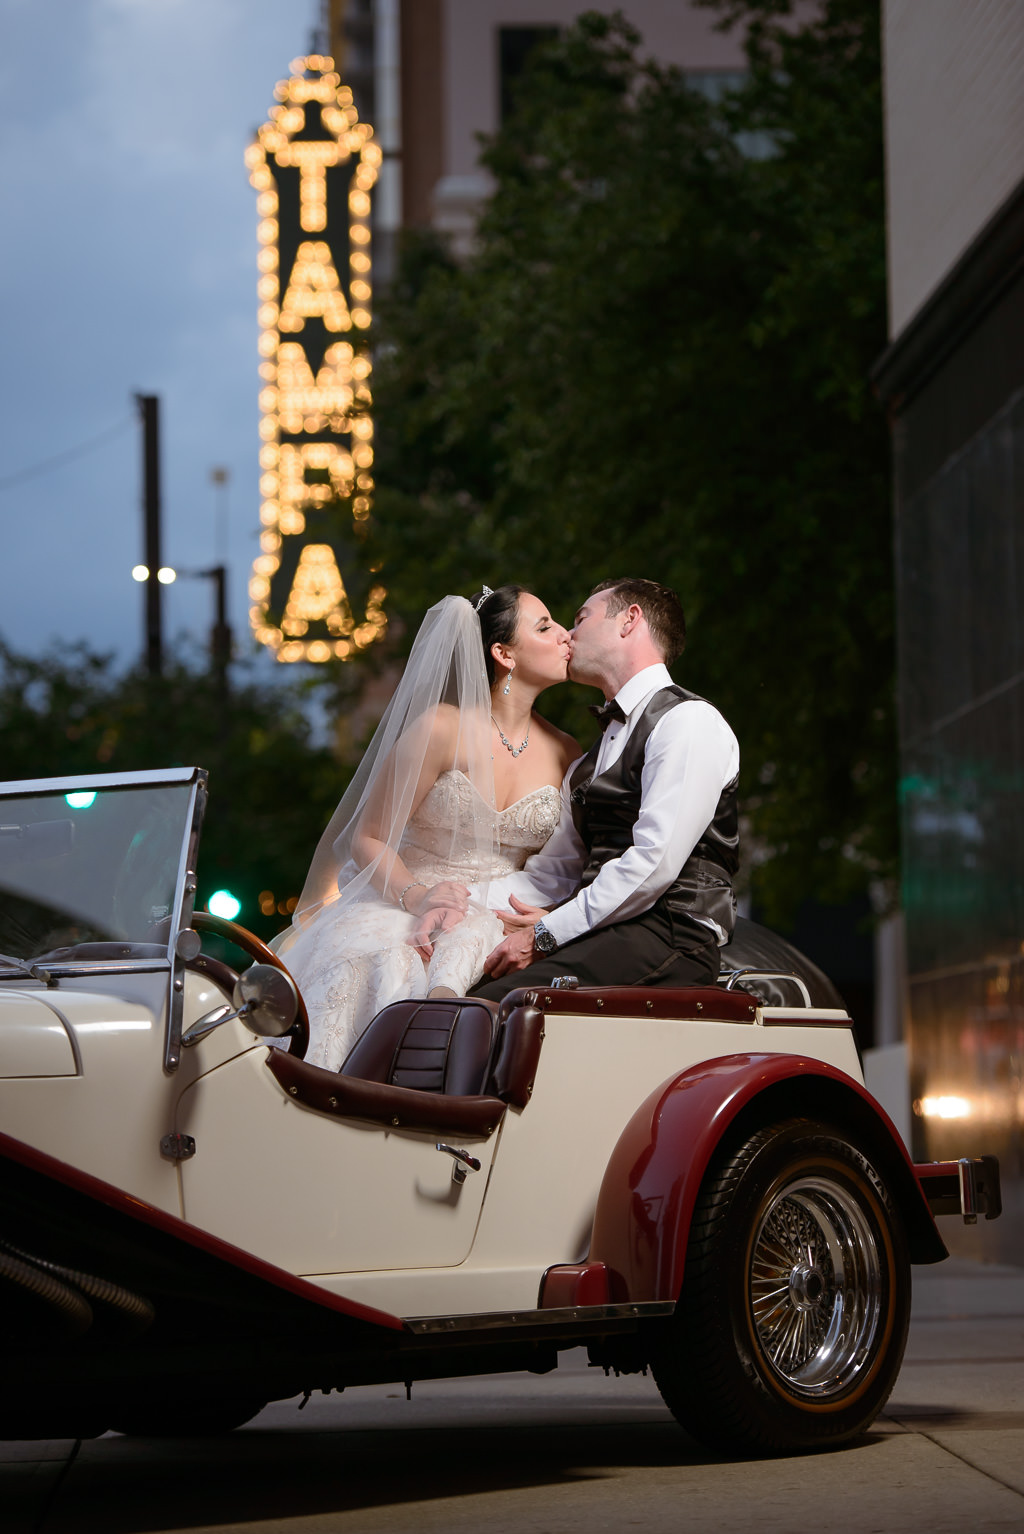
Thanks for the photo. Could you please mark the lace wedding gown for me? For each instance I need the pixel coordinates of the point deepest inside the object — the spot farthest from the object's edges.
(354, 959)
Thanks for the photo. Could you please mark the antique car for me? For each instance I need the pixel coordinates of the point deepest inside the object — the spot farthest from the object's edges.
(195, 1221)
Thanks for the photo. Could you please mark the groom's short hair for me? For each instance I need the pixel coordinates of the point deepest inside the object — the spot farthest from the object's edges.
(660, 606)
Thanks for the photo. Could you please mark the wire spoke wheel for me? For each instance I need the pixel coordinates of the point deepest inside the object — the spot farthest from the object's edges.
(792, 1319)
(816, 1286)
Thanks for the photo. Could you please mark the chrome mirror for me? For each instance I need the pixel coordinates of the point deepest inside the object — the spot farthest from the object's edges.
(265, 1000)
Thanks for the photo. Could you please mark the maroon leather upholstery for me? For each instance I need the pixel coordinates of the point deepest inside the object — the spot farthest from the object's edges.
(447, 1066)
(431, 1046)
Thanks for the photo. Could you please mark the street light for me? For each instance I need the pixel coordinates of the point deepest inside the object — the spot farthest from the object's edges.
(165, 575)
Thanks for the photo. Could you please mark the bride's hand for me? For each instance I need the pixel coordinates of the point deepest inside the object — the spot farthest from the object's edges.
(447, 895)
(433, 921)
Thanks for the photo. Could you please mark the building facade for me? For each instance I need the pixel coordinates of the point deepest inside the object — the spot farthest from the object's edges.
(433, 75)
(953, 381)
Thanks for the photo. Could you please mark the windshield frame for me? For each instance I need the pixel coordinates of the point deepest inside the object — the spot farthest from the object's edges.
(184, 886)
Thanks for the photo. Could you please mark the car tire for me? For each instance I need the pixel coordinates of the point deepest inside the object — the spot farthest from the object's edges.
(792, 1320)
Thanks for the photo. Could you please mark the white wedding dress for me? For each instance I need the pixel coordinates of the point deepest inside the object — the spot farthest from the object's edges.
(354, 958)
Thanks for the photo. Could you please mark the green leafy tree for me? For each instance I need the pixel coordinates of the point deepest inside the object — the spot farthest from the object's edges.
(272, 789)
(656, 362)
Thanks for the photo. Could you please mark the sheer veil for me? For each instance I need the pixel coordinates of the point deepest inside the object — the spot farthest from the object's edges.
(444, 675)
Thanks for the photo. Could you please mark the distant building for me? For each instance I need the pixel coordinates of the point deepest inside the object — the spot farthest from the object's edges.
(432, 75)
(953, 381)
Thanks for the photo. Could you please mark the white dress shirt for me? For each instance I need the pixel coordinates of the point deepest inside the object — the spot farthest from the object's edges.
(691, 755)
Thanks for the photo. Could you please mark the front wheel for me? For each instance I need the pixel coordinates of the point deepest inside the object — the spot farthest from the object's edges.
(791, 1324)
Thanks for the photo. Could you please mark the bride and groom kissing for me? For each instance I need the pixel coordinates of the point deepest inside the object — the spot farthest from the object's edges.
(478, 849)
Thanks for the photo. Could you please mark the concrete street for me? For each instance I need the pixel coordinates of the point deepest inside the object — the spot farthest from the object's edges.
(571, 1452)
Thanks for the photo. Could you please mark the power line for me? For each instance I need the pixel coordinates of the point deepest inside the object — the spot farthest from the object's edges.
(66, 456)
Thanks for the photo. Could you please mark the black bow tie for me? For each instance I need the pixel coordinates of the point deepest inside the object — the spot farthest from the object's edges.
(604, 713)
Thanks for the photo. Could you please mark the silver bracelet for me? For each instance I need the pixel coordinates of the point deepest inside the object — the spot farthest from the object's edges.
(415, 884)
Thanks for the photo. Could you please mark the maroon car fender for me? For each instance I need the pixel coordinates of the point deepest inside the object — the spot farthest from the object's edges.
(655, 1172)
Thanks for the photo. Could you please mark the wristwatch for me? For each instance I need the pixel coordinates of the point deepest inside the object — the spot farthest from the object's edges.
(543, 940)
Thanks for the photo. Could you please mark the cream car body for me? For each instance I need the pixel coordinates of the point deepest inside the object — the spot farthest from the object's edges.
(147, 1131)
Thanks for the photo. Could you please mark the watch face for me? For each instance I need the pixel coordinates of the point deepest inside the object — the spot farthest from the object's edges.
(543, 940)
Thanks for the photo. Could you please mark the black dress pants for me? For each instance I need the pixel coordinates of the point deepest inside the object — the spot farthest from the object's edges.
(655, 948)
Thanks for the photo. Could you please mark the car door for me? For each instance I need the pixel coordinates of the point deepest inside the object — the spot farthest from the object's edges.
(318, 1194)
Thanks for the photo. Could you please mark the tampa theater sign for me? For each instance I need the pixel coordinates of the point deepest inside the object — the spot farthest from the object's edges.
(314, 164)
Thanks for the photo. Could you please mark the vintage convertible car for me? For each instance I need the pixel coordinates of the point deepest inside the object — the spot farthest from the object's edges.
(194, 1221)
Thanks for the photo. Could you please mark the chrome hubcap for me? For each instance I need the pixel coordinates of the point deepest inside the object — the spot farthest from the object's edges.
(816, 1287)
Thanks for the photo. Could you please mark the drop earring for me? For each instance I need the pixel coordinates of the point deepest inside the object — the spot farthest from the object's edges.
(508, 680)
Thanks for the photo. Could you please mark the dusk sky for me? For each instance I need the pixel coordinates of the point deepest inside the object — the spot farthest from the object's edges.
(128, 248)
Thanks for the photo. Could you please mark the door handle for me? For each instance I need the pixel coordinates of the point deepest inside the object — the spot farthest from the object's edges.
(463, 1161)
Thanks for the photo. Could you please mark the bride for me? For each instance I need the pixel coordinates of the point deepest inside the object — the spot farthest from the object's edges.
(459, 786)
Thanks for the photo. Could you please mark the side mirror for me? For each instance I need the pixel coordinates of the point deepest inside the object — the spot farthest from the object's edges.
(265, 1000)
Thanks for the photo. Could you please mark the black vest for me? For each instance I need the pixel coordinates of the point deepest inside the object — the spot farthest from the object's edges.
(605, 810)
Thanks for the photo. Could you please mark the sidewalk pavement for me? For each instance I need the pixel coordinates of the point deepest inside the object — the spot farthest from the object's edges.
(571, 1452)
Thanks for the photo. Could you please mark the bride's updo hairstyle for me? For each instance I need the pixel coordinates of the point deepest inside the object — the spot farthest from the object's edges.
(499, 620)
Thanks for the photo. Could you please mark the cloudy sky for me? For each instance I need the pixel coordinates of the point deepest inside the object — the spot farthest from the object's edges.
(128, 250)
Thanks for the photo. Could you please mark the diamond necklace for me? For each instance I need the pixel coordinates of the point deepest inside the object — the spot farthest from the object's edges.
(515, 750)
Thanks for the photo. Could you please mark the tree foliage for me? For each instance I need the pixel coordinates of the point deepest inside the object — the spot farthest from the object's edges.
(656, 362)
(272, 788)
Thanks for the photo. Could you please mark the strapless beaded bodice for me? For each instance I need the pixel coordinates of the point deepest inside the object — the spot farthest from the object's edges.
(514, 832)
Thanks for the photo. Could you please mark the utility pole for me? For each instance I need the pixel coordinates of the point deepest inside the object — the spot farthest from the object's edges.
(149, 412)
(220, 638)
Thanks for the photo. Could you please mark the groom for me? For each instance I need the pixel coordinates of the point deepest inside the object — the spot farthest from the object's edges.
(635, 885)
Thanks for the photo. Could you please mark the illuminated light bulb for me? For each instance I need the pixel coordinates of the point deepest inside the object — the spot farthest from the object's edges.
(166, 576)
(360, 234)
(361, 318)
(268, 231)
(84, 799)
(269, 513)
(267, 287)
(360, 289)
(140, 572)
(944, 1107)
(363, 456)
(268, 259)
(364, 481)
(359, 203)
(259, 588)
(266, 203)
(224, 904)
(270, 541)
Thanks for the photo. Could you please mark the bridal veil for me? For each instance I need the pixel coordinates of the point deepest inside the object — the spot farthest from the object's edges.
(445, 671)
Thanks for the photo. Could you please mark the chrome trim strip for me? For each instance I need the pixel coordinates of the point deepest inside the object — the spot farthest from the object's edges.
(506, 1320)
(100, 780)
(181, 916)
(99, 967)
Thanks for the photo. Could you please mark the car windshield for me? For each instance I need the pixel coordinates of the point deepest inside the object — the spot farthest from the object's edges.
(89, 866)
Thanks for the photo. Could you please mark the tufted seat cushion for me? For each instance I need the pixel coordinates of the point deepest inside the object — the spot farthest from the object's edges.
(434, 1046)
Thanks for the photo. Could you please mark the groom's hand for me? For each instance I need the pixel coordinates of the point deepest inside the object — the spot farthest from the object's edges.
(514, 952)
(521, 917)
